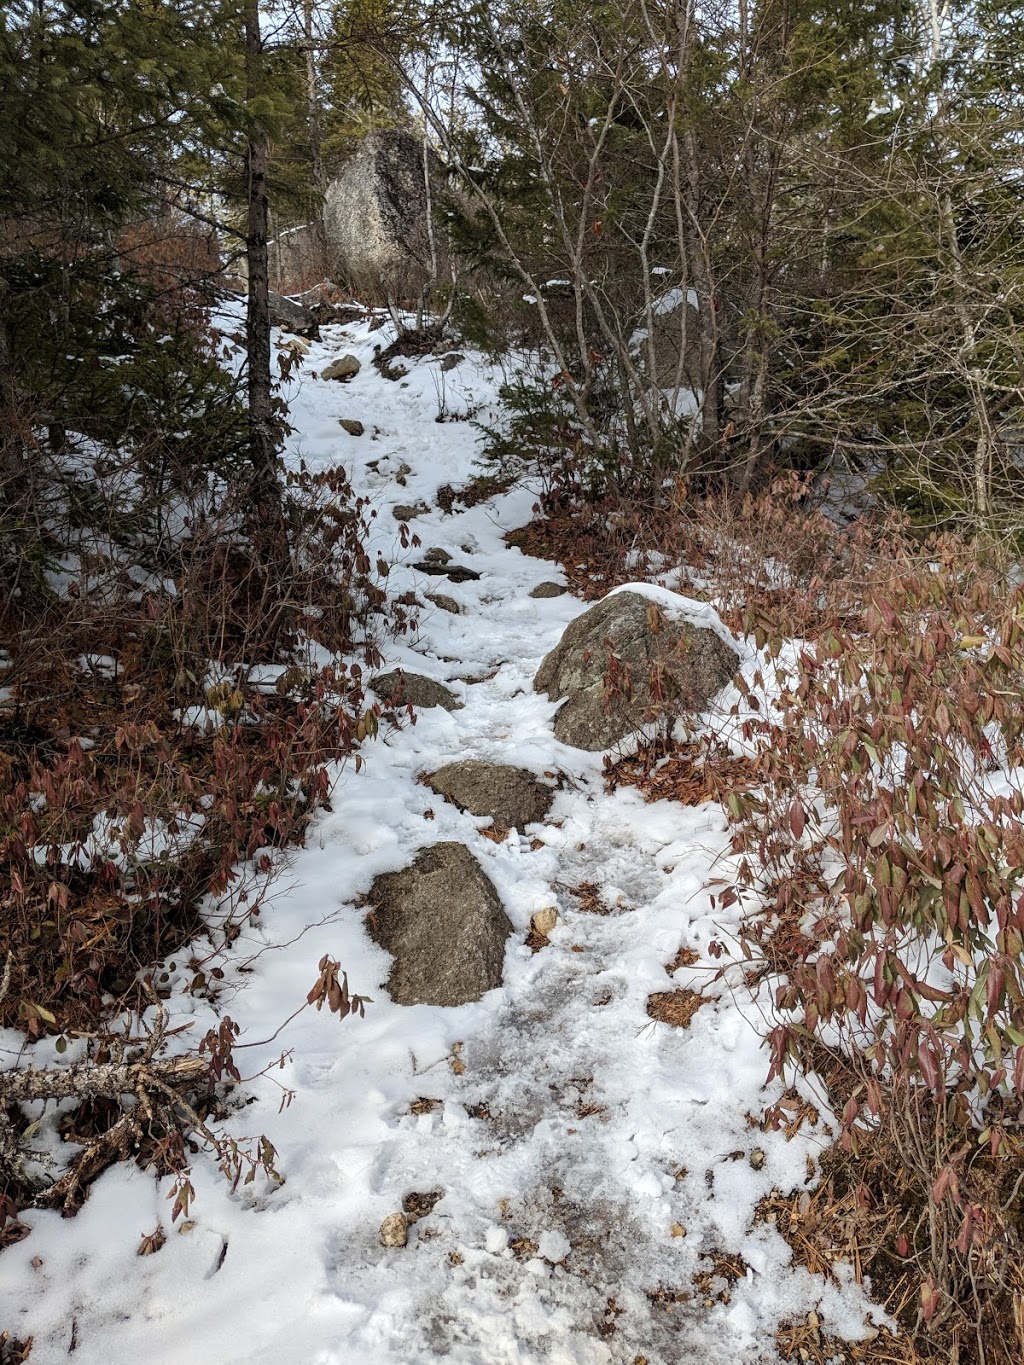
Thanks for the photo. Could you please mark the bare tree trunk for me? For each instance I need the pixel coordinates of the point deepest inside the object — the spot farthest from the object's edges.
(984, 447)
(699, 257)
(263, 427)
(314, 129)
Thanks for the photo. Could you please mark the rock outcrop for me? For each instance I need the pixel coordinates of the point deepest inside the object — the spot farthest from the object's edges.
(443, 923)
(632, 659)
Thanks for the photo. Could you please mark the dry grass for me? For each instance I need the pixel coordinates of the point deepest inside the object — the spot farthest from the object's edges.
(861, 1208)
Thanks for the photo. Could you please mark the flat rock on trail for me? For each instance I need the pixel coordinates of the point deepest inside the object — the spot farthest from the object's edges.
(584, 1162)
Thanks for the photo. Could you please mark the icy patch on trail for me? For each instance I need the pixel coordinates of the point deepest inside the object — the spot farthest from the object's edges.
(590, 1161)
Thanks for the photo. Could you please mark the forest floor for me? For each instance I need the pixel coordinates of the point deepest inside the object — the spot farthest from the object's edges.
(605, 1189)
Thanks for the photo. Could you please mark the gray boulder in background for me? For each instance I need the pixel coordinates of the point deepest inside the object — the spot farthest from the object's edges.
(443, 923)
(345, 367)
(376, 216)
(292, 317)
(630, 635)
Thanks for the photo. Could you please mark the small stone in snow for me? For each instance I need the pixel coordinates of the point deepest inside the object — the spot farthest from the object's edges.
(549, 590)
(757, 1158)
(343, 368)
(351, 425)
(544, 921)
(446, 603)
(295, 345)
(554, 1247)
(394, 1231)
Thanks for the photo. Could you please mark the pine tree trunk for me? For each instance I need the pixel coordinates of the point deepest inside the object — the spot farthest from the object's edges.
(13, 483)
(8, 397)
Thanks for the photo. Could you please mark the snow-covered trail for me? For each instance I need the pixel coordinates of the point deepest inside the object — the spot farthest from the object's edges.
(591, 1162)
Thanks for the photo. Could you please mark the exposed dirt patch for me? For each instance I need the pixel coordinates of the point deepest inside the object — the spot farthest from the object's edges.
(419, 1204)
(715, 1284)
(425, 1105)
(588, 899)
(674, 1007)
(685, 957)
(470, 494)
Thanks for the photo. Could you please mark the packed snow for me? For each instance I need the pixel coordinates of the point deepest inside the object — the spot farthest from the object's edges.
(590, 1161)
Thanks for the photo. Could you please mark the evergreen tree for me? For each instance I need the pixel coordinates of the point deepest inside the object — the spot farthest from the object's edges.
(361, 80)
(100, 100)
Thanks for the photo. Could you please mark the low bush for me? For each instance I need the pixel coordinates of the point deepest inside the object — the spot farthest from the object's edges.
(171, 718)
(881, 859)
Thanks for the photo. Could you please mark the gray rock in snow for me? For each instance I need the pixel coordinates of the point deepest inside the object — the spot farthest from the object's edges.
(512, 797)
(549, 590)
(292, 317)
(445, 602)
(435, 555)
(443, 923)
(344, 368)
(398, 687)
(624, 634)
(455, 573)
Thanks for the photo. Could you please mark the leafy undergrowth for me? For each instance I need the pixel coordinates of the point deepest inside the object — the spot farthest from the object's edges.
(775, 554)
(159, 746)
(594, 541)
(689, 772)
(875, 791)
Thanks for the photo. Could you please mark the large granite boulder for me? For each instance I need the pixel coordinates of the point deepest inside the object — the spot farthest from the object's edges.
(512, 797)
(634, 658)
(376, 216)
(443, 923)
